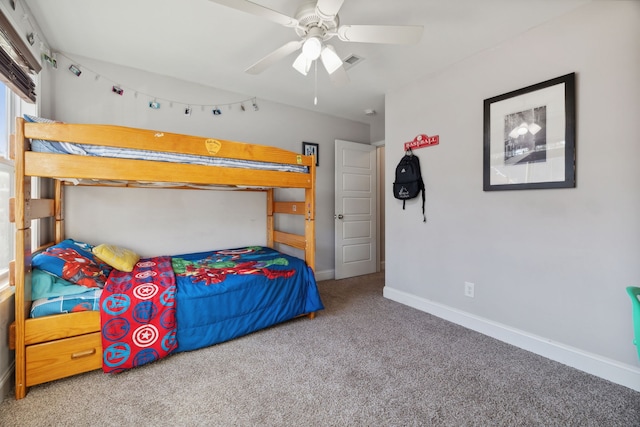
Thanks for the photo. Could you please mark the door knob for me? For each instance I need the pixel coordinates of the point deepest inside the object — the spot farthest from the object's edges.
(339, 216)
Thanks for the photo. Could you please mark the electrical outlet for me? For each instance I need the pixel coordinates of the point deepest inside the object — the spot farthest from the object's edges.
(469, 289)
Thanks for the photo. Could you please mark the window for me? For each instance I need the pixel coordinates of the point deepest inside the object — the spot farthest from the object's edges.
(6, 228)
(19, 77)
(6, 190)
(11, 105)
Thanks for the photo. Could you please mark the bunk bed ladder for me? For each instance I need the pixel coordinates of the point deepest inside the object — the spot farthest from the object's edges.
(24, 209)
(301, 242)
(21, 210)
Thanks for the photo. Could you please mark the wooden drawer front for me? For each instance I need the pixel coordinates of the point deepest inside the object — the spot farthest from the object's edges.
(63, 358)
(58, 326)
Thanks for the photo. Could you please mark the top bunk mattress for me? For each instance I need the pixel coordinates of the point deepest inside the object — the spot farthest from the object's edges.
(56, 147)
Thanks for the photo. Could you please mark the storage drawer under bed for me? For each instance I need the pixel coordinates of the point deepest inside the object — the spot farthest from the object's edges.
(49, 328)
(62, 358)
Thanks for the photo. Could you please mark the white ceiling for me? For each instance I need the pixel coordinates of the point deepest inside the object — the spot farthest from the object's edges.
(207, 43)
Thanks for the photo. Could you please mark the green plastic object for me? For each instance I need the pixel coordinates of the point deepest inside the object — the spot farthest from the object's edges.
(634, 293)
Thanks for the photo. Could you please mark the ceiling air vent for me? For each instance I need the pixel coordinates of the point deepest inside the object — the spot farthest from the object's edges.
(351, 60)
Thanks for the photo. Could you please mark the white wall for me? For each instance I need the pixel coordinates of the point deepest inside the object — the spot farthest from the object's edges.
(550, 267)
(92, 214)
(377, 129)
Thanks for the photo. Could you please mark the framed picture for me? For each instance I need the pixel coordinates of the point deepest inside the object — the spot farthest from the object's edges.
(311, 149)
(529, 137)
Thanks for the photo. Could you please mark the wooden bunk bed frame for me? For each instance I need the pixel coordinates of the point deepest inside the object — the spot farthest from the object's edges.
(54, 347)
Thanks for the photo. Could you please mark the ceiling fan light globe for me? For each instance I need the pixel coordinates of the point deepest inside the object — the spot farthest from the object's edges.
(302, 64)
(312, 48)
(330, 59)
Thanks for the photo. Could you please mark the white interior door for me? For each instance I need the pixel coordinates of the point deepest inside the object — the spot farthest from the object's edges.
(355, 209)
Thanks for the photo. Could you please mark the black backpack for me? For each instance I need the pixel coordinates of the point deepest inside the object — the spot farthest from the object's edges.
(408, 183)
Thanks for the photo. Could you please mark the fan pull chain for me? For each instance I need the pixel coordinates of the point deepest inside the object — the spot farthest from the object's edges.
(315, 82)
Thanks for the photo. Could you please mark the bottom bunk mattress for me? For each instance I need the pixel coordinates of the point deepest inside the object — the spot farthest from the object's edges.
(186, 302)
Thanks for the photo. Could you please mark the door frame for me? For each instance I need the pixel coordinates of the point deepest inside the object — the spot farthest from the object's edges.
(375, 167)
(381, 253)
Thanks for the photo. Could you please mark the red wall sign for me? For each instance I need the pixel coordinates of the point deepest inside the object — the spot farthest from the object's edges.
(422, 141)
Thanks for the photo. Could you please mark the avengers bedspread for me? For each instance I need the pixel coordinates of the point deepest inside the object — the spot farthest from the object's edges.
(186, 302)
(138, 315)
(225, 294)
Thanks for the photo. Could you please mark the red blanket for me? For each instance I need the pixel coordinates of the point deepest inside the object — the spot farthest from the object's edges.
(138, 315)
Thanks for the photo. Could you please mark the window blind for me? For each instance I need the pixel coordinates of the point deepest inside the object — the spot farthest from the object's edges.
(16, 62)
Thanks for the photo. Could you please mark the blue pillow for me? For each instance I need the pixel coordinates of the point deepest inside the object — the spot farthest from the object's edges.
(73, 261)
(45, 285)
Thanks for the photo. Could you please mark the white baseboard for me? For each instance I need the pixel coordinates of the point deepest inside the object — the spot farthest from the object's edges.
(611, 370)
(6, 381)
(331, 274)
(325, 275)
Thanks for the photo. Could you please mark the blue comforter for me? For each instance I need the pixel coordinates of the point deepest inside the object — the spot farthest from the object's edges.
(225, 294)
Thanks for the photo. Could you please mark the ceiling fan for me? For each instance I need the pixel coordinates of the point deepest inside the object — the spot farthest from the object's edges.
(315, 23)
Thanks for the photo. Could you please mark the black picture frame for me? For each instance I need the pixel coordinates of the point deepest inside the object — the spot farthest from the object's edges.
(311, 149)
(529, 137)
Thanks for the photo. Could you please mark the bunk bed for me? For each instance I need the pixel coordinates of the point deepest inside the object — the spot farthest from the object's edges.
(60, 345)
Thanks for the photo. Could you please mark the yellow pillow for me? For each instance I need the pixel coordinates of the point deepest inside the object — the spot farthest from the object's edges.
(119, 258)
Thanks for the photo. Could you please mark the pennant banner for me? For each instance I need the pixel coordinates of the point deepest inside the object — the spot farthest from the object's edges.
(422, 141)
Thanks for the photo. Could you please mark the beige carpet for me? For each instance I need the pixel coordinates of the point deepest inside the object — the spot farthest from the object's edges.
(364, 361)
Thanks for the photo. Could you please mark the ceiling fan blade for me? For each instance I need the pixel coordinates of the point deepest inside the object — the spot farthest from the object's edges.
(256, 9)
(327, 9)
(273, 57)
(339, 77)
(389, 34)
